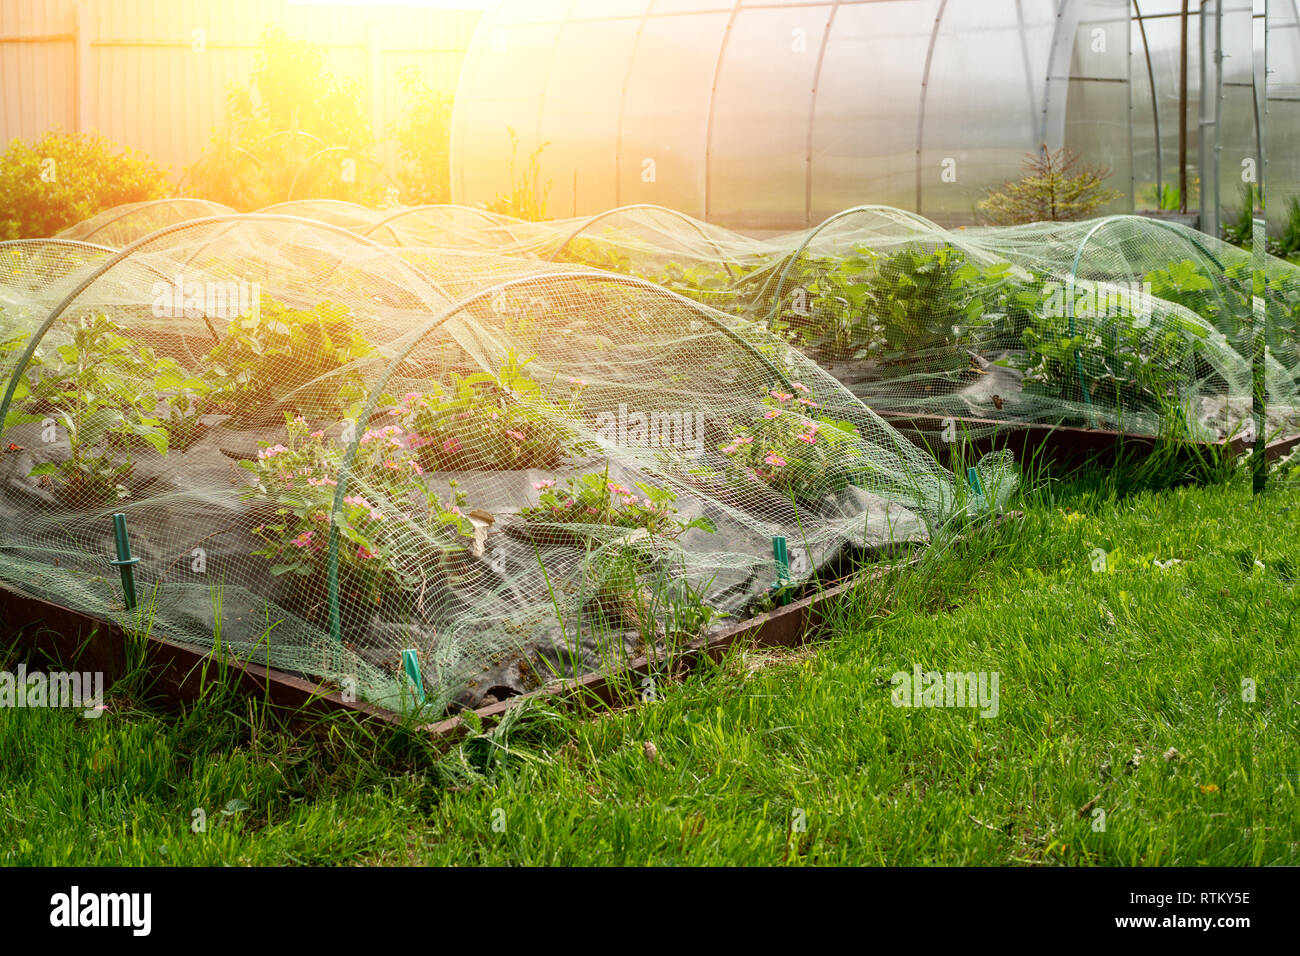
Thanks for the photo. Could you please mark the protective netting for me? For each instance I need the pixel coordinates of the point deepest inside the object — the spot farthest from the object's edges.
(524, 449)
(122, 225)
(1123, 323)
(330, 450)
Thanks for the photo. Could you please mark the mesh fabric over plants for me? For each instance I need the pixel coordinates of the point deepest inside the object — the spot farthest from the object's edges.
(1122, 323)
(329, 450)
(123, 225)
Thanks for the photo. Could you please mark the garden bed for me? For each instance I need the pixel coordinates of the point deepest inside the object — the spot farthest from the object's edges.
(490, 582)
(178, 673)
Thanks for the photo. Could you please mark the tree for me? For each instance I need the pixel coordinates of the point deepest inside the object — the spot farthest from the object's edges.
(295, 131)
(423, 135)
(1055, 188)
(65, 178)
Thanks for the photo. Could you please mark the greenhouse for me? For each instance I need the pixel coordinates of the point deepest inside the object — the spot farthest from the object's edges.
(775, 116)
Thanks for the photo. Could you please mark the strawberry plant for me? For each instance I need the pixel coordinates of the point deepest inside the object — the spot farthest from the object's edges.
(487, 422)
(298, 478)
(909, 308)
(99, 388)
(595, 500)
(1123, 360)
(274, 354)
(791, 448)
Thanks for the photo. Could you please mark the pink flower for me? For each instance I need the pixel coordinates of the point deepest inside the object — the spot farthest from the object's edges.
(781, 396)
(392, 464)
(518, 436)
(451, 446)
(810, 438)
(629, 499)
(318, 517)
(618, 489)
(729, 450)
(412, 397)
(364, 553)
(809, 402)
(577, 381)
(775, 460)
(799, 386)
(772, 414)
(267, 453)
(303, 540)
(543, 485)
(319, 434)
(419, 470)
(743, 440)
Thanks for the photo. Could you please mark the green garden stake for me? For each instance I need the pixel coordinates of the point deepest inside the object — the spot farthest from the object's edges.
(125, 563)
(978, 502)
(411, 665)
(1259, 354)
(782, 556)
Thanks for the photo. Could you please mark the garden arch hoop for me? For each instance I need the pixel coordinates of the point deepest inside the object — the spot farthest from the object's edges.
(1074, 278)
(416, 337)
(591, 221)
(432, 206)
(215, 208)
(794, 257)
(57, 312)
(68, 243)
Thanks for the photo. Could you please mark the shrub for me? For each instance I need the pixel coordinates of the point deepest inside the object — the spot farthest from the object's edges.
(65, 178)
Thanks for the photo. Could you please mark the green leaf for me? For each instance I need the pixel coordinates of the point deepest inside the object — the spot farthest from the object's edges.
(157, 438)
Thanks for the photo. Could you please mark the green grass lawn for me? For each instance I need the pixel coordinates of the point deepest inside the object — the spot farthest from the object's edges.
(1120, 690)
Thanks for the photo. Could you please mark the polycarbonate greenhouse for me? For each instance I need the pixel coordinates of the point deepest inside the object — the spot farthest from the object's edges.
(770, 116)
